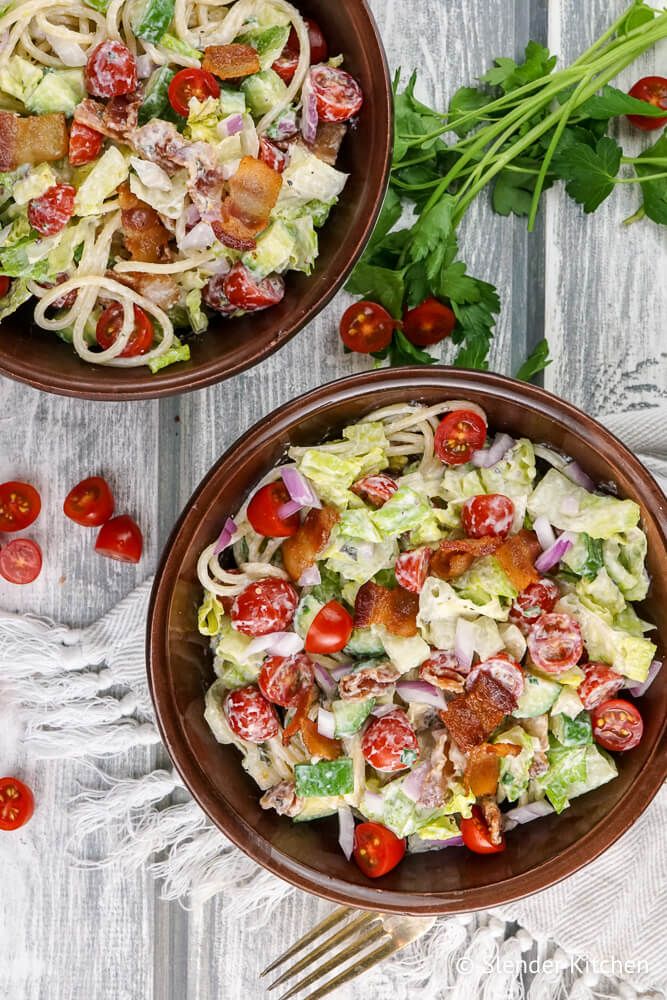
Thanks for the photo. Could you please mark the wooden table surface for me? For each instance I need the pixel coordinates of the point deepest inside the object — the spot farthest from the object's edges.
(589, 284)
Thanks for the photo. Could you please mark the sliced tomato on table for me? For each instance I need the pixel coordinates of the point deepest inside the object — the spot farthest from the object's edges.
(428, 323)
(250, 715)
(476, 835)
(189, 83)
(376, 849)
(20, 504)
(555, 643)
(285, 66)
(652, 89)
(110, 323)
(459, 434)
(366, 328)
(390, 743)
(20, 561)
(85, 144)
(330, 629)
(120, 539)
(264, 512)
(264, 606)
(90, 503)
(111, 70)
(17, 804)
(617, 725)
(338, 96)
(282, 679)
(487, 514)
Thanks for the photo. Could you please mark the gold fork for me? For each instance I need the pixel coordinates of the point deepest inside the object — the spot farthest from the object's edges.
(390, 932)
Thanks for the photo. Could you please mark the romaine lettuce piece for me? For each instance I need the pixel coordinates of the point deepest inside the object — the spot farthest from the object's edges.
(459, 482)
(232, 647)
(439, 600)
(203, 120)
(624, 558)
(514, 641)
(306, 247)
(433, 527)
(58, 90)
(177, 352)
(485, 580)
(18, 294)
(567, 703)
(572, 732)
(309, 179)
(585, 556)
(109, 171)
(331, 474)
(442, 828)
(34, 184)
(405, 653)
(366, 435)
(169, 203)
(404, 511)
(19, 78)
(514, 771)
(357, 560)
(196, 315)
(273, 253)
(210, 616)
(600, 768)
(514, 474)
(232, 102)
(268, 42)
(599, 516)
(601, 595)
(567, 770)
(629, 655)
(356, 523)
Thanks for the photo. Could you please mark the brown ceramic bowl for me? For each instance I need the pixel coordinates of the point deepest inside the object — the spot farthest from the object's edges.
(39, 358)
(308, 855)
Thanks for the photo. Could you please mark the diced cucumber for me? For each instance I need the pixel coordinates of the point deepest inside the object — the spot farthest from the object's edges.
(157, 95)
(349, 716)
(263, 91)
(156, 17)
(537, 698)
(269, 42)
(328, 777)
(317, 807)
(364, 642)
(307, 609)
(575, 732)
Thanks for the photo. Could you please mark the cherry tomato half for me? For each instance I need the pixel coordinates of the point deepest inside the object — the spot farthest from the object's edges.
(330, 630)
(20, 504)
(411, 569)
(84, 144)
(250, 715)
(110, 323)
(17, 804)
(4, 285)
(120, 539)
(286, 65)
(459, 434)
(89, 503)
(282, 679)
(264, 606)
(189, 83)
(366, 328)
(263, 512)
(244, 292)
(654, 90)
(338, 96)
(51, 212)
(428, 323)
(533, 602)
(20, 561)
(376, 849)
(599, 684)
(476, 836)
(487, 514)
(389, 743)
(617, 724)
(111, 70)
(555, 643)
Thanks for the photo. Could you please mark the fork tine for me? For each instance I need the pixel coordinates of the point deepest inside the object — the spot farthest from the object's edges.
(327, 944)
(372, 935)
(324, 925)
(386, 949)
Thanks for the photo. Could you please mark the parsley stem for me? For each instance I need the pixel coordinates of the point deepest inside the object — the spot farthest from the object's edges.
(639, 214)
(413, 162)
(661, 161)
(639, 180)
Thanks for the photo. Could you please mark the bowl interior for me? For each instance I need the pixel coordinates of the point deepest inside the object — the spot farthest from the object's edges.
(229, 346)
(308, 854)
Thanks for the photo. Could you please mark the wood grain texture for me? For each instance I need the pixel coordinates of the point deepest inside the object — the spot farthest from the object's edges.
(105, 936)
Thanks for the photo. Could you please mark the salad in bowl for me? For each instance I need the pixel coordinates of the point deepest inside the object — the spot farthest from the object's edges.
(162, 162)
(429, 630)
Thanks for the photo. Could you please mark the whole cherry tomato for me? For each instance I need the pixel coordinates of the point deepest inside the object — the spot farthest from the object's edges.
(330, 630)
(652, 89)
(250, 715)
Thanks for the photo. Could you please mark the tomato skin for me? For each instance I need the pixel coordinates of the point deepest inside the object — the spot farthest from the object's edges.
(271, 155)
(285, 66)
(85, 144)
(533, 602)
(387, 739)
(20, 504)
(459, 433)
(5, 282)
(376, 849)
(90, 503)
(366, 328)
(411, 569)
(654, 90)
(17, 804)
(250, 715)
(264, 606)
(51, 212)
(243, 292)
(375, 490)
(330, 630)
(503, 669)
(110, 323)
(111, 70)
(600, 684)
(120, 539)
(263, 512)
(475, 834)
(282, 679)
(189, 83)
(555, 643)
(20, 561)
(617, 725)
(488, 514)
(338, 96)
(428, 323)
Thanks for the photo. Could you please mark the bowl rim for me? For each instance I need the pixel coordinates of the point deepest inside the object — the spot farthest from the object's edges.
(598, 839)
(92, 385)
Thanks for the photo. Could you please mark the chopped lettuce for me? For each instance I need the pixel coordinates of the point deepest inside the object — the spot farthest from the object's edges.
(34, 184)
(403, 511)
(513, 476)
(232, 647)
(177, 352)
(169, 203)
(210, 616)
(273, 253)
(305, 247)
(405, 653)
(181, 48)
(585, 556)
(441, 828)
(19, 78)
(624, 557)
(109, 171)
(197, 317)
(331, 474)
(263, 91)
(630, 655)
(58, 90)
(459, 482)
(567, 769)
(514, 771)
(600, 768)
(309, 179)
(268, 42)
(18, 294)
(439, 600)
(599, 516)
(485, 580)
(601, 595)
(357, 560)
(366, 435)
(356, 523)
(203, 120)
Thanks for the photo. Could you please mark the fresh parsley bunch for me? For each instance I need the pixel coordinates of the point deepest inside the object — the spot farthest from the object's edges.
(523, 128)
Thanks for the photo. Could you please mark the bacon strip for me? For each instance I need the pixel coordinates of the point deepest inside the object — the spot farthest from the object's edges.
(453, 558)
(231, 62)
(318, 745)
(367, 682)
(395, 609)
(245, 212)
(144, 234)
(517, 557)
(472, 717)
(115, 119)
(328, 141)
(301, 550)
(483, 767)
(283, 798)
(36, 139)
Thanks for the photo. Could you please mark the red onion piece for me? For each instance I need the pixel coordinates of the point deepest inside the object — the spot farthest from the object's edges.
(200, 237)
(637, 690)
(310, 576)
(574, 472)
(326, 723)
(464, 644)
(232, 125)
(289, 508)
(554, 553)
(422, 692)
(300, 490)
(545, 533)
(277, 644)
(309, 117)
(412, 783)
(226, 536)
(486, 458)
(340, 671)
(145, 67)
(324, 679)
(286, 127)
(527, 813)
(346, 831)
(381, 710)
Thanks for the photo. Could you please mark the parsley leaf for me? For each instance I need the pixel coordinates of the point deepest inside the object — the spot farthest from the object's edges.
(654, 192)
(431, 231)
(474, 331)
(610, 103)
(402, 352)
(513, 193)
(379, 284)
(412, 118)
(536, 362)
(590, 174)
(508, 75)
(465, 100)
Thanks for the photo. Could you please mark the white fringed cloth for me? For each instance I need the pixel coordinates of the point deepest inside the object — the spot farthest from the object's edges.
(599, 933)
